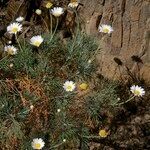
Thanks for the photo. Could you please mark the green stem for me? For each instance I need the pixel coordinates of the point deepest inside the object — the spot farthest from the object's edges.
(3, 58)
(56, 145)
(18, 42)
(126, 101)
(77, 32)
(55, 29)
(92, 137)
(51, 21)
(65, 96)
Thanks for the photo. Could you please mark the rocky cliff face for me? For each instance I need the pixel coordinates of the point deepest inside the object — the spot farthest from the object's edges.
(130, 41)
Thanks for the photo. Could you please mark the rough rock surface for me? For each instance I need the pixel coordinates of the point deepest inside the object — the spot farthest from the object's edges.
(131, 37)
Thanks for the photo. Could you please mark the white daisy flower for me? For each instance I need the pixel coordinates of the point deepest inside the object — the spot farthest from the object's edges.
(137, 90)
(38, 11)
(36, 40)
(10, 49)
(14, 28)
(73, 4)
(38, 143)
(57, 11)
(69, 86)
(105, 28)
(19, 19)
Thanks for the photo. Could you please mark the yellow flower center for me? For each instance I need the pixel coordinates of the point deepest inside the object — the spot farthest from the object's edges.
(105, 30)
(73, 4)
(136, 92)
(37, 145)
(10, 51)
(37, 43)
(103, 133)
(57, 14)
(69, 87)
(49, 5)
(83, 86)
(15, 29)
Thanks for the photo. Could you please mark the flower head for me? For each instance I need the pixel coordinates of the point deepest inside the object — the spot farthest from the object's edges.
(57, 11)
(105, 28)
(73, 4)
(38, 143)
(19, 19)
(11, 65)
(10, 49)
(48, 5)
(83, 86)
(36, 40)
(103, 133)
(14, 28)
(58, 110)
(31, 107)
(69, 86)
(38, 11)
(89, 61)
(137, 90)
(9, 42)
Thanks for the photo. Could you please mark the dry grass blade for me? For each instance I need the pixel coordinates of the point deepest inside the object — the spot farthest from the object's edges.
(14, 8)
